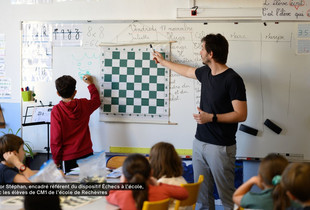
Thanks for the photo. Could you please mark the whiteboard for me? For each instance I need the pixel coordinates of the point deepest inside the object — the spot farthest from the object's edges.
(275, 76)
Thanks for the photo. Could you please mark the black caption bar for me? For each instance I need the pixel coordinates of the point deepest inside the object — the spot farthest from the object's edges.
(66, 189)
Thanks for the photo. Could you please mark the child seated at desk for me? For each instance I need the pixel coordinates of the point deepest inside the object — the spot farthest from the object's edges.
(269, 169)
(294, 187)
(12, 154)
(136, 169)
(166, 164)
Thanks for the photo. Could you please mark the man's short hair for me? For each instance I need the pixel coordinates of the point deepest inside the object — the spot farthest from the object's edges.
(218, 44)
(65, 86)
(9, 143)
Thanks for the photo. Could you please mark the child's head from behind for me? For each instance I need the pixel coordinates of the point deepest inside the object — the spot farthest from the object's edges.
(65, 86)
(11, 143)
(137, 169)
(271, 166)
(296, 180)
(165, 161)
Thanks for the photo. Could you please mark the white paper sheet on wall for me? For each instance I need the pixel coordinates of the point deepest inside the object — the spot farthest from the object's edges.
(37, 52)
(5, 88)
(31, 1)
(67, 35)
(41, 114)
(303, 39)
(286, 10)
(2, 55)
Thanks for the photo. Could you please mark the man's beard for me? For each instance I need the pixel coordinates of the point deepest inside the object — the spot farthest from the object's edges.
(205, 63)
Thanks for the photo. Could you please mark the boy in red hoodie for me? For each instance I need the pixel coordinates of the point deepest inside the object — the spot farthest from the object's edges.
(70, 136)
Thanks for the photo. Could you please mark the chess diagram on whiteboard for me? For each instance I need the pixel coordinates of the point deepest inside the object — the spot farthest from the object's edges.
(133, 84)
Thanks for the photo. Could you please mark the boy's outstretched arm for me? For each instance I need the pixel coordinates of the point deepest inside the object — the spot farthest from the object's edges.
(95, 102)
(244, 188)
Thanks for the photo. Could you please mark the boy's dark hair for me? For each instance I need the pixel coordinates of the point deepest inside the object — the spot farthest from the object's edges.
(9, 143)
(218, 44)
(65, 86)
(165, 161)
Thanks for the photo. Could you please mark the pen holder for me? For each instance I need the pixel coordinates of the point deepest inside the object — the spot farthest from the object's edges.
(27, 95)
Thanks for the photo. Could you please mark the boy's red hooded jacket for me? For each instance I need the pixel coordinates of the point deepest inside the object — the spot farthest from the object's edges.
(70, 136)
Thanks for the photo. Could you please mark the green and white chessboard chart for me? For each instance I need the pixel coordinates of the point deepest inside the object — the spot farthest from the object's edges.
(134, 88)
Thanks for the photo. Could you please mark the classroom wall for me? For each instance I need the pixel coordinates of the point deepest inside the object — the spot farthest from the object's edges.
(12, 15)
(10, 25)
(11, 114)
(275, 85)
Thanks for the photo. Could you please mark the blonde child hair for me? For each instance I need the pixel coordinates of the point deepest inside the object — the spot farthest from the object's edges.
(294, 185)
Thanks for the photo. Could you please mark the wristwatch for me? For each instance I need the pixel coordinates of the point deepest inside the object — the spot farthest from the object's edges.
(214, 118)
(22, 168)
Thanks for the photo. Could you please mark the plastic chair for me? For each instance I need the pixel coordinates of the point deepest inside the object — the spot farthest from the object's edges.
(236, 207)
(115, 161)
(156, 205)
(193, 190)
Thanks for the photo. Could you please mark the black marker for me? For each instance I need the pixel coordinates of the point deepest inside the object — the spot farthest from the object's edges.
(152, 48)
(156, 61)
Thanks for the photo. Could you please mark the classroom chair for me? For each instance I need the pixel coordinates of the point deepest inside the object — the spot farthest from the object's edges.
(116, 161)
(156, 205)
(193, 190)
